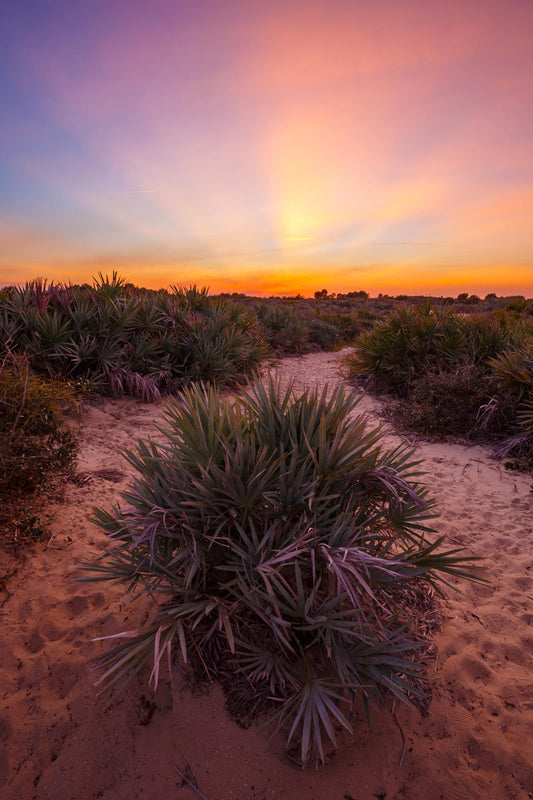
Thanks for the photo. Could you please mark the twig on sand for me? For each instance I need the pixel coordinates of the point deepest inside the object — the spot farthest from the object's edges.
(187, 775)
(395, 718)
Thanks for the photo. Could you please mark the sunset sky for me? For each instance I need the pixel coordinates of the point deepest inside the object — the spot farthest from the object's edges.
(269, 147)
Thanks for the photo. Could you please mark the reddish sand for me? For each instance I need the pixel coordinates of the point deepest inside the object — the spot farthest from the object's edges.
(59, 743)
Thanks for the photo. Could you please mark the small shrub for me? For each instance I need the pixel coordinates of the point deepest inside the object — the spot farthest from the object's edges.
(326, 335)
(446, 403)
(287, 546)
(345, 326)
(35, 447)
(399, 348)
(34, 442)
(367, 317)
(30, 526)
(518, 304)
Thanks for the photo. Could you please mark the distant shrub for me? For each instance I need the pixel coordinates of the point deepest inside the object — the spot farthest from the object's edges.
(367, 317)
(348, 323)
(296, 326)
(519, 304)
(326, 335)
(287, 546)
(285, 330)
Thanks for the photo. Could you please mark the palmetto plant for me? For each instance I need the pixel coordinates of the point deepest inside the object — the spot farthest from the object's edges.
(525, 416)
(285, 543)
(513, 371)
(107, 288)
(49, 343)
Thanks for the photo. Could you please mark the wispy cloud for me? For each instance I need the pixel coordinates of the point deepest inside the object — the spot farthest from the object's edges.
(300, 138)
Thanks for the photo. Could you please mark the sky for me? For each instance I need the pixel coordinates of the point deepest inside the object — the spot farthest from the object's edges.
(269, 147)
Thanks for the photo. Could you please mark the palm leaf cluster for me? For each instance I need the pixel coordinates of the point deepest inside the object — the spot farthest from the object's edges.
(285, 544)
(113, 339)
(514, 371)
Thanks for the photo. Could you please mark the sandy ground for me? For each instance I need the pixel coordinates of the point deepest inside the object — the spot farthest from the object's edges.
(60, 743)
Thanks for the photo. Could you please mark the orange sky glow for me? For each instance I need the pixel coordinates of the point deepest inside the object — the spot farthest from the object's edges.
(270, 147)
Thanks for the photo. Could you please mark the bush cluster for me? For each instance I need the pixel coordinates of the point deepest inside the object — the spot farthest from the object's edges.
(447, 403)
(452, 373)
(114, 339)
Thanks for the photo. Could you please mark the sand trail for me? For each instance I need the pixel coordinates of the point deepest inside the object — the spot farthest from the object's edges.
(58, 742)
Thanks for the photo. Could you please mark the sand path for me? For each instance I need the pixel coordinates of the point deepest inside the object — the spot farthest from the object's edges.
(59, 743)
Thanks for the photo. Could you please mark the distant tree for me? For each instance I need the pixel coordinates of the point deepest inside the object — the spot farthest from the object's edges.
(321, 294)
(463, 297)
(517, 303)
(491, 296)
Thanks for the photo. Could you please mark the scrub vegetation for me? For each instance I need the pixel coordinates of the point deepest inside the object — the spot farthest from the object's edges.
(455, 374)
(35, 443)
(453, 366)
(297, 326)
